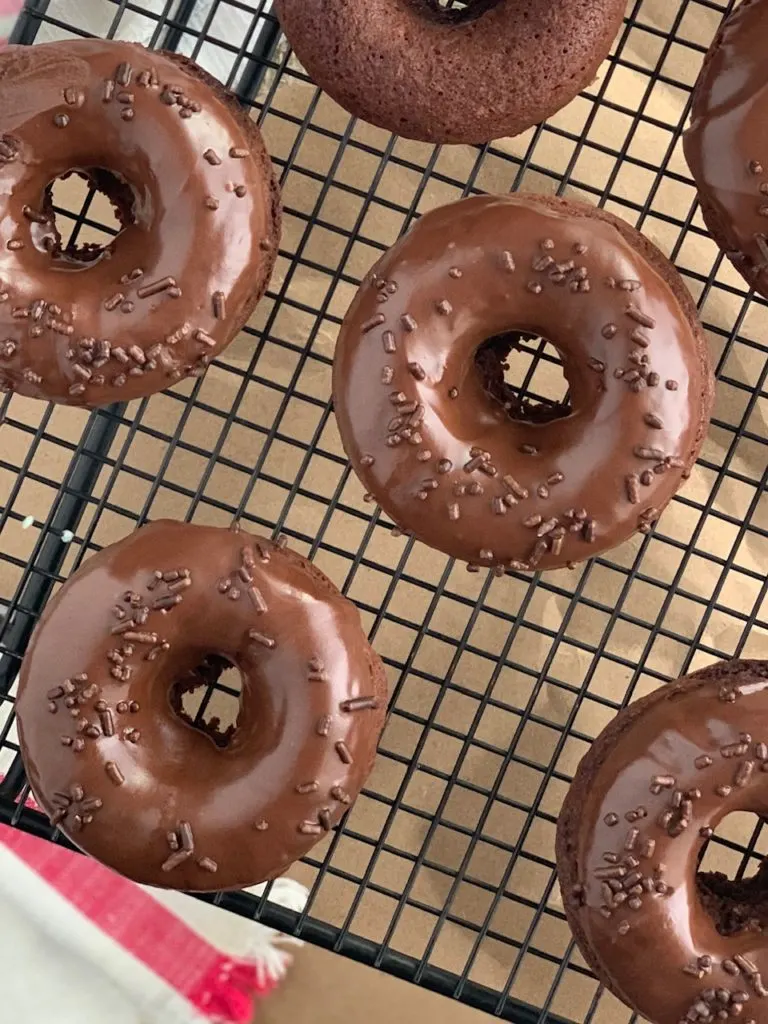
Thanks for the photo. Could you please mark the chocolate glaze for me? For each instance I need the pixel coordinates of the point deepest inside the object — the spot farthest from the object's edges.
(149, 618)
(442, 74)
(644, 801)
(193, 188)
(726, 145)
(443, 456)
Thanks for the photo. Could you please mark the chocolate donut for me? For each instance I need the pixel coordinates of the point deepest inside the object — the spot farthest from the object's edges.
(451, 452)
(192, 186)
(646, 798)
(441, 74)
(127, 778)
(726, 145)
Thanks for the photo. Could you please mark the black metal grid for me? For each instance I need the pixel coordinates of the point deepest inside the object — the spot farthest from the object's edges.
(443, 871)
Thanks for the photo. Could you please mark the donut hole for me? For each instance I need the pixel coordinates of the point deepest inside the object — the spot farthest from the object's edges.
(85, 211)
(732, 879)
(461, 10)
(524, 373)
(207, 698)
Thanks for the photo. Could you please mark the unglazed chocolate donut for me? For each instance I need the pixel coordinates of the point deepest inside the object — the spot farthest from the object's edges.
(192, 186)
(440, 74)
(675, 946)
(449, 450)
(127, 778)
(726, 145)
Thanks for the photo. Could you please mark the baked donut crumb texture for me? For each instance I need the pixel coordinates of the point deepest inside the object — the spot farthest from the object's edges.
(438, 74)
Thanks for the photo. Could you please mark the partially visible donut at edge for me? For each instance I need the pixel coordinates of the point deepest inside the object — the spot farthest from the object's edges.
(439, 74)
(192, 186)
(450, 451)
(726, 145)
(677, 945)
(111, 753)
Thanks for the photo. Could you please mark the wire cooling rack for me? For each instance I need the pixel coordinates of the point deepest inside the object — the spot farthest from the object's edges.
(443, 871)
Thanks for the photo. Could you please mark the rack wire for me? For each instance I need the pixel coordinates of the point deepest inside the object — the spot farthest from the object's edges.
(443, 871)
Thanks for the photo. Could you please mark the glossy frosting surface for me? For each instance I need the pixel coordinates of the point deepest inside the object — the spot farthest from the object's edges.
(726, 145)
(201, 221)
(643, 804)
(122, 774)
(444, 458)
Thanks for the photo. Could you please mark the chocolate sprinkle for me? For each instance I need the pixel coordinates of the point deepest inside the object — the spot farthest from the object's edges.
(163, 284)
(374, 321)
(305, 788)
(261, 638)
(743, 774)
(175, 860)
(185, 834)
(344, 753)
(639, 317)
(359, 704)
(633, 488)
(219, 305)
(205, 338)
(649, 454)
(310, 828)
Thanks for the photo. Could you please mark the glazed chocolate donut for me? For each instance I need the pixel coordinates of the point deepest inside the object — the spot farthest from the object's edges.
(192, 186)
(726, 145)
(646, 798)
(442, 74)
(449, 450)
(129, 780)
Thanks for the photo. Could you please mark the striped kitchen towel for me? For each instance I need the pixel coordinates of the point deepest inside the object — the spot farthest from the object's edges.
(81, 945)
(9, 11)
